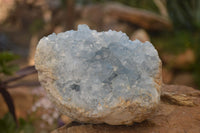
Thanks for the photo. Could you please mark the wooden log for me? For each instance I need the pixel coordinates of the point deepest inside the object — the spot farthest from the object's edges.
(143, 18)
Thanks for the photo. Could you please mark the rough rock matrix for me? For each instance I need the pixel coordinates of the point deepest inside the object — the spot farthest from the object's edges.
(100, 77)
(178, 112)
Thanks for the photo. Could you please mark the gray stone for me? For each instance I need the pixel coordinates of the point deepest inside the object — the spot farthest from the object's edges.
(100, 77)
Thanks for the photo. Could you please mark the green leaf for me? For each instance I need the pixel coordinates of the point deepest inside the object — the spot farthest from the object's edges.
(25, 127)
(7, 125)
(184, 14)
(5, 63)
(9, 70)
(7, 57)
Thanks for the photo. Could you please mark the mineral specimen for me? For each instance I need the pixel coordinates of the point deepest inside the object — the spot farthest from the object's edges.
(100, 77)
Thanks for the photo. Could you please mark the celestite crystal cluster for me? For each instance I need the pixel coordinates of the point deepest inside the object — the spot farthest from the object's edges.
(100, 77)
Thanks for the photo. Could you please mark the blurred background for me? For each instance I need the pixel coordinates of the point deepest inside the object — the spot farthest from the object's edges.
(173, 26)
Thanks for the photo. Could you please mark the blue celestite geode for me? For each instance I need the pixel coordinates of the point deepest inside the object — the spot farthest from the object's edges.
(100, 77)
